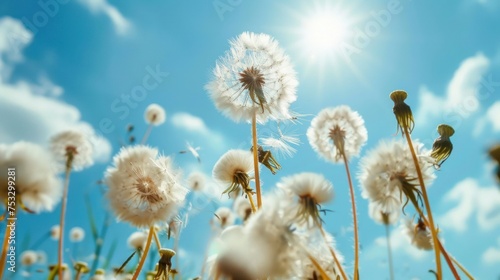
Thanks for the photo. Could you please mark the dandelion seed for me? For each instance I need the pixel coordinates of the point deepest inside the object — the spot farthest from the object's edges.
(72, 150)
(37, 186)
(155, 115)
(336, 132)
(254, 77)
(29, 258)
(55, 231)
(76, 234)
(144, 189)
(193, 151)
(388, 172)
(402, 111)
(312, 190)
(442, 147)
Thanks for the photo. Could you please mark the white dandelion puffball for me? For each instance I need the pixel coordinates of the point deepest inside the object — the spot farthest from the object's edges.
(36, 181)
(230, 163)
(419, 236)
(382, 217)
(387, 168)
(72, 144)
(29, 257)
(137, 240)
(223, 217)
(55, 232)
(307, 184)
(155, 114)
(196, 181)
(144, 188)
(254, 77)
(76, 234)
(341, 125)
(242, 207)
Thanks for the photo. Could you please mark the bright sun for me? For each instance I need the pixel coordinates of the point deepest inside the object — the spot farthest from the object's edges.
(324, 32)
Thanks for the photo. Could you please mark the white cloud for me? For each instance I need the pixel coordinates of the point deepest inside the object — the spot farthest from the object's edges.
(461, 94)
(13, 38)
(189, 122)
(121, 24)
(472, 200)
(493, 115)
(492, 254)
(30, 111)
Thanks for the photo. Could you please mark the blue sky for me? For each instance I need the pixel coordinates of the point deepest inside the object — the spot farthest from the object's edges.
(73, 64)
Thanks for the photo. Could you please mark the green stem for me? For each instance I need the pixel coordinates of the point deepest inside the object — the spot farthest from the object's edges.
(427, 204)
(144, 253)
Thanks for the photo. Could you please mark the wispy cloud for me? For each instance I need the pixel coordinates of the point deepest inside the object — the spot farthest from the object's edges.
(461, 94)
(190, 123)
(492, 254)
(471, 201)
(490, 119)
(121, 24)
(30, 111)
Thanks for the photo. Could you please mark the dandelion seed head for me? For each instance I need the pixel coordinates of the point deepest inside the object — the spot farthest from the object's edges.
(223, 217)
(55, 232)
(144, 188)
(76, 234)
(137, 240)
(418, 234)
(37, 184)
(242, 207)
(72, 145)
(388, 169)
(196, 181)
(233, 169)
(155, 114)
(254, 76)
(335, 131)
(29, 258)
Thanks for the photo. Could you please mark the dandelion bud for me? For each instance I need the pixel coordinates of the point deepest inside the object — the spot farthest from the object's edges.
(402, 111)
(165, 263)
(81, 267)
(268, 160)
(442, 147)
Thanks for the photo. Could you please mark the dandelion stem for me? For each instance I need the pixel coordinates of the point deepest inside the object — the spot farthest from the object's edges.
(252, 204)
(256, 159)
(354, 219)
(146, 134)
(427, 204)
(450, 263)
(389, 251)
(4, 250)
(144, 253)
(157, 241)
(63, 215)
(323, 234)
(318, 267)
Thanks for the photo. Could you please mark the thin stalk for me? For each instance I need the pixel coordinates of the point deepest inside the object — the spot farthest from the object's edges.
(427, 204)
(442, 250)
(324, 276)
(99, 241)
(252, 204)
(4, 250)
(144, 253)
(462, 268)
(157, 241)
(332, 252)
(354, 219)
(61, 221)
(146, 134)
(256, 160)
(389, 251)
(78, 275)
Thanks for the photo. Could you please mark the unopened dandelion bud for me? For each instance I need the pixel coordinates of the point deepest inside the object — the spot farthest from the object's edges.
(402, 111)
(442, 147)
(81, 267)
(268, 160)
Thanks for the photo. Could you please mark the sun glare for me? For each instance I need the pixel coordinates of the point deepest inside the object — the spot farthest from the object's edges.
(324, 32)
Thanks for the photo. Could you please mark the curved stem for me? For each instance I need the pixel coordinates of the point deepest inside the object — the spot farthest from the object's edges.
(427, 204)
(389, 251)
(4, 249)
(256, 159)
(332, 252)
(146, 134)
(61, 223)
(144, 253)
(157, 241)
(462, 268)
(354, 219)
(252, 204)
(324, 276)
